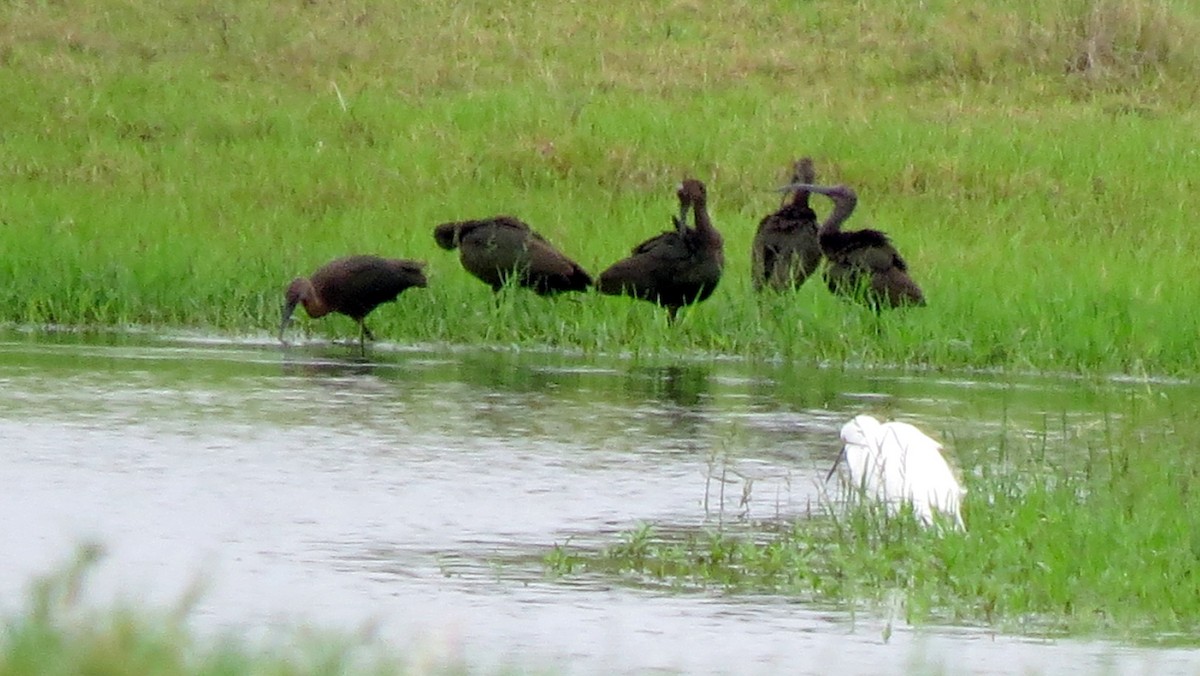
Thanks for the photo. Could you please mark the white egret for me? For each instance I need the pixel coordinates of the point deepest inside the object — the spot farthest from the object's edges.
(896, 463)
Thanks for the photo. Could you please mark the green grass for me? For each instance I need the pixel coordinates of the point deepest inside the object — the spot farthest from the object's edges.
(177, 165)
(1079, 532)
(57, 634)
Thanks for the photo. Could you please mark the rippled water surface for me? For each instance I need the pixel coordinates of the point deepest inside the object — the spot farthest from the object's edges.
(416, 492)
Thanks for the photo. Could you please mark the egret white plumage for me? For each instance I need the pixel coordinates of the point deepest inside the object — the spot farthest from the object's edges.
(896, 463)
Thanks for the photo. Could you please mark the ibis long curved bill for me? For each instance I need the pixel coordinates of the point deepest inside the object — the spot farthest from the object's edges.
(289, 307)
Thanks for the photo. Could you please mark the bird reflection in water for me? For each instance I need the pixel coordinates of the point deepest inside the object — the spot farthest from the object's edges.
(682, 385)
(670, 403)
(331, 366)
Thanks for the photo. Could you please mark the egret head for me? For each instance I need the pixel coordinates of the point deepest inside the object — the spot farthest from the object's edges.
(857, 439)
(860, 430)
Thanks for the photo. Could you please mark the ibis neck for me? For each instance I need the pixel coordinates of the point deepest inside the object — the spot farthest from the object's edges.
(314, 305)
(842, 208)
(704, 226)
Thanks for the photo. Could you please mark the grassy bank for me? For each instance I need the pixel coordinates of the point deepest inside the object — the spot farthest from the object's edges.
(1093, 534)
(176, 165)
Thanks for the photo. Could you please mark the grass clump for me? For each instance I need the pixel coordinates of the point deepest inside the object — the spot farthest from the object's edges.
(1098, 540)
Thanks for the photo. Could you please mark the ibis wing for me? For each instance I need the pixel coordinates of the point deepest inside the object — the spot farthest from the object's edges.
(357, 284)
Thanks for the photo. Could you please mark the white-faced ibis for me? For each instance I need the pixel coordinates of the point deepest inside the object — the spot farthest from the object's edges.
(353, 286)
(895, 463)
(786, 249)
(862, 263)
(675, 268)
(504, 248)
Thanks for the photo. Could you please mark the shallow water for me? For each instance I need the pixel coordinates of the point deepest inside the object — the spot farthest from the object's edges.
(416, 492)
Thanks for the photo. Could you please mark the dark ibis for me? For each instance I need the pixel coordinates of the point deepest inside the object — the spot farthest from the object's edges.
(353, 286)
(504, 248)
(863, 264)
(676, 268)
(786, 248)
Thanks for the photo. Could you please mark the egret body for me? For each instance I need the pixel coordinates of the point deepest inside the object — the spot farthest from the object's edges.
(895, 463)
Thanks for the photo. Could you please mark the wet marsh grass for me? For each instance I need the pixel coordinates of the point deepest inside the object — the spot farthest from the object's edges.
(1075, 532)
(176, 166)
